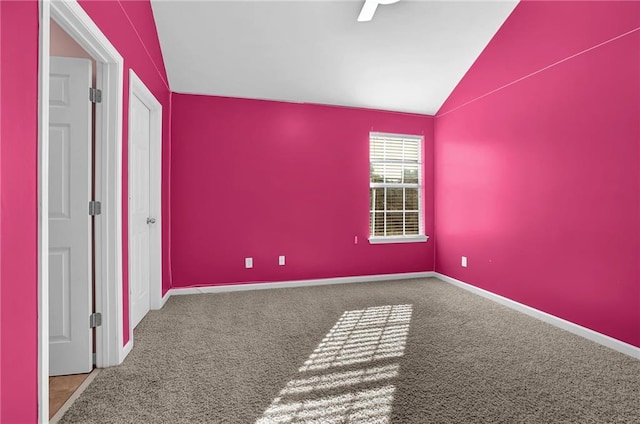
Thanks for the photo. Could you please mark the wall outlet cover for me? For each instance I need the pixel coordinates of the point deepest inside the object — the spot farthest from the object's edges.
(464, 261)
(248, 262)
(281, 260)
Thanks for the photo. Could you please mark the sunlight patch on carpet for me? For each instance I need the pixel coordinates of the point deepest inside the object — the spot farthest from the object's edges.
(363, 395)
(332, 381)
(364, 406)
(363, 336)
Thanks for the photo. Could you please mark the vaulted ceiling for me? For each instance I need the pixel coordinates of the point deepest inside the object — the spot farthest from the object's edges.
(409, 58)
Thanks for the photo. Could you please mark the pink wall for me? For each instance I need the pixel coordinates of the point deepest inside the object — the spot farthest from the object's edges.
(260, 179)
(18, 174)
(538, 183)
(18, 196)
(547, 32)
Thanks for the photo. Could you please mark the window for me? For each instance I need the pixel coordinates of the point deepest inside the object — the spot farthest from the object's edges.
(395, 188)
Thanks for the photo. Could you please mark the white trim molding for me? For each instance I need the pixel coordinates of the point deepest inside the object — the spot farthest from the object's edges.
(569, 326)
(110, 349)
(298, 283)
(166, 297)
(43, 213)
(398, 239)
(584, 332)
(138, 89)
(126, 349)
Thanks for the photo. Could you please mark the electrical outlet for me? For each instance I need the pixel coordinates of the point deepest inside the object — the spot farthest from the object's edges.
(464, 261)
(281, 260)
(248, 262)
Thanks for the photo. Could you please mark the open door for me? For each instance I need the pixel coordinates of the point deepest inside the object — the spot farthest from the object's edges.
(70, 285)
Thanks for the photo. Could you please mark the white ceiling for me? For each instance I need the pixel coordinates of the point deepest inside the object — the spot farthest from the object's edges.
(408, 59)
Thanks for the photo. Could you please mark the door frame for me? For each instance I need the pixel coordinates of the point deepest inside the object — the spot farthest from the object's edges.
(138, 89)
(108, 226)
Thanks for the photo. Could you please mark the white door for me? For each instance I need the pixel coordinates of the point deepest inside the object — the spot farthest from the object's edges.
(70, 338)
(139, 220)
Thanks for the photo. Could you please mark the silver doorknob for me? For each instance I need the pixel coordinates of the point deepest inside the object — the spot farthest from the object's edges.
(151, 220)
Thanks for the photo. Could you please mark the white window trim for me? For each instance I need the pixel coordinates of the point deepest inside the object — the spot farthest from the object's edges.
(398, 239)
(418, 238)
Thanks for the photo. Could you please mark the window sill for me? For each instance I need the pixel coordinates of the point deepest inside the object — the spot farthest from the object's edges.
(398, 239)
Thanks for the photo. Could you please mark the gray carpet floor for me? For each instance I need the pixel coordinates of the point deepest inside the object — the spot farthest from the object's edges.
(412, 351)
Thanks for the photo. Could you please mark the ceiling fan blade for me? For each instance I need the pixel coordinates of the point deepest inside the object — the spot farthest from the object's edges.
(368, 10)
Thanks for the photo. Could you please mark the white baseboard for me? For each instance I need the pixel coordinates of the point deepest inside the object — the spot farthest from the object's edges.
(164, 299)
(587, 333)
(126, 349)
(299, 283)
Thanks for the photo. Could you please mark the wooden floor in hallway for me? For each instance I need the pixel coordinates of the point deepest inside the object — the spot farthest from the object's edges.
(61, 388)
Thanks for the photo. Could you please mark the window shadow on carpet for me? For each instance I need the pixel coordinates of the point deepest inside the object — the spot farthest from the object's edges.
(350, 376)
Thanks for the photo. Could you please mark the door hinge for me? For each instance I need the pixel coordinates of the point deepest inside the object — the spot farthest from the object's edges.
(95, 320)
(95, 95)
(93, 358)
(95, 208)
